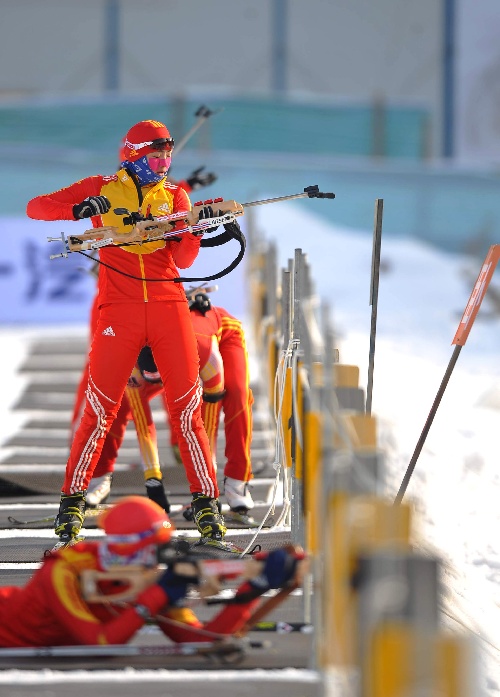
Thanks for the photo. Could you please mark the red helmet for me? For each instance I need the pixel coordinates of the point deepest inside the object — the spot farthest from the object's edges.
(145, 137)
(135, 522)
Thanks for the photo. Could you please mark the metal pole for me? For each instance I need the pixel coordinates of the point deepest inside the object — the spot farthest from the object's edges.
(297, 289)
(426, 429)
(377, 243)
(112, 45)
(286, 311)
(448, 77)
(290, 197)
(461, 335)
(279, 52)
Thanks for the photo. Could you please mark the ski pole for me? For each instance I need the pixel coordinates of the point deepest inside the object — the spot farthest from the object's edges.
(203, 113)
(461, 335)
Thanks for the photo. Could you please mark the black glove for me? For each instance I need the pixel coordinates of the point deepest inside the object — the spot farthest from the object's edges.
(175, 586)
(205, 213)
(200, 302)
(196, 180)
(93, 205)
(279, 569)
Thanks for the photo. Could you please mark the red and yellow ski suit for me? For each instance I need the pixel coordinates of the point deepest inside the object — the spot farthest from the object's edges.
(148, 309)
(225, 376)
(134, 405)
(51, 610)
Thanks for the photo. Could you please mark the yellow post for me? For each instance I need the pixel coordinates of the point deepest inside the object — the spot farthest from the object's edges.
(376, 523)
(313, 481)
(454, 666)
(345, 375)
(286, 417)
(390, 661)
(337, 647)
(359, 431)
(300, 416)
(355, 524)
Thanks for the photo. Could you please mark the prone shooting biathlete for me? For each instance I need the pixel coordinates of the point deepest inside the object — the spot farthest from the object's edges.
(103, 592)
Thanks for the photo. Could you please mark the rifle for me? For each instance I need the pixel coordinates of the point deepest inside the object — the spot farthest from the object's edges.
(206, 574)
(191, 291)
(162, 227)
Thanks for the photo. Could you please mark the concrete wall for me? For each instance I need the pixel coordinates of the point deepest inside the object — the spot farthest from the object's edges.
(352, 49)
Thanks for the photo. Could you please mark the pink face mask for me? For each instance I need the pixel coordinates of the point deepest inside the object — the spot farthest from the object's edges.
(156, 162)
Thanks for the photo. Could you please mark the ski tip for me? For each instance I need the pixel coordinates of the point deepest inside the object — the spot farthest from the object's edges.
(63, 543)
(14, 521)
(94, 511)
(233, 519)
(217, 547)
(36, 522)
(206, 548)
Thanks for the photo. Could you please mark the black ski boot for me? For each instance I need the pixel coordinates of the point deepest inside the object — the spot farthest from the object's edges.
(208, 518)
(156, 492)
(70, 517)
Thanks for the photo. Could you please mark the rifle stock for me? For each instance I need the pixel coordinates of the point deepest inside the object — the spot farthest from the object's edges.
(162, 227)
(145, 230)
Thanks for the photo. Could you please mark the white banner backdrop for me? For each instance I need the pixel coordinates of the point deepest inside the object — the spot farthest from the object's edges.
(38, 290)
(35, 289)
(477, 81)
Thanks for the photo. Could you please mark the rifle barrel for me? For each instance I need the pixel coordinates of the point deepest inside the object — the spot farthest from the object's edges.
(273, 200)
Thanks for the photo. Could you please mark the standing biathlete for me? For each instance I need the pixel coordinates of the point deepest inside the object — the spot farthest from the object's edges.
(134, 404)
(225, 377)
(139, 304)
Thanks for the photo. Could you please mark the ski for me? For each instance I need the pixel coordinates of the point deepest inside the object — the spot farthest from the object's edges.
(35, 521)
(232, 519)
(230, 651)
(207, 545)
(62, 544)
(89, 513)
(283, 627)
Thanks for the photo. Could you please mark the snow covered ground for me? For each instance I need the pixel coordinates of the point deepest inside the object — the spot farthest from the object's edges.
(456, 483)
(422, 295)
